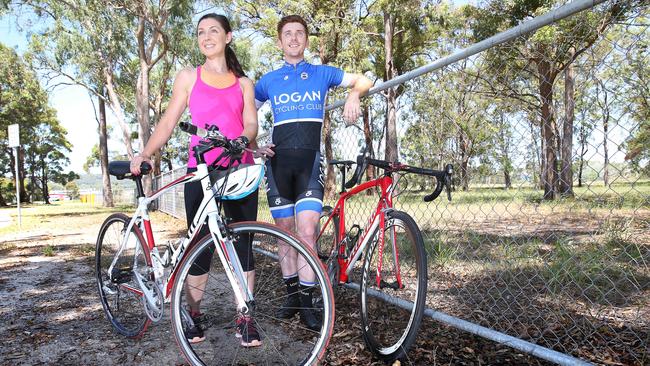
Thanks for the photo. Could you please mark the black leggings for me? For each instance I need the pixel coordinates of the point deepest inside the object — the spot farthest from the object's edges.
(244, 209)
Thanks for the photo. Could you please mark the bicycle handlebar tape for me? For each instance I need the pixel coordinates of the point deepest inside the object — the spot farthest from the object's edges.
(436, 192)
(361, 165)
(188, 127)
(145, 168)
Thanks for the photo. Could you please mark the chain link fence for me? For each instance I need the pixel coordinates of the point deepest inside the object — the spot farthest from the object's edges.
(547, 237)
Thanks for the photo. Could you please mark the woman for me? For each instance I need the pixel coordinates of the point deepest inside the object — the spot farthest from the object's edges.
(217, 93)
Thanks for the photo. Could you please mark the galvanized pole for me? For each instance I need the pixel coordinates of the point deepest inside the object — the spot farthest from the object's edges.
(20, 219)
(14, 141)
(497, 39)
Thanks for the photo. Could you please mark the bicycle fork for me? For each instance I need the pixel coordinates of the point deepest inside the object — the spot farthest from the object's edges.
(397, 284)
(231, 264)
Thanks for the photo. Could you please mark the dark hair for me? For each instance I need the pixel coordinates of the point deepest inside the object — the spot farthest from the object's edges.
(231, 59)
(291, 19)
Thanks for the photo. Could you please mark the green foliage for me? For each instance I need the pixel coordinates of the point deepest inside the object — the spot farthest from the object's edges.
(73, 190)
(43, 139)
(48, 250)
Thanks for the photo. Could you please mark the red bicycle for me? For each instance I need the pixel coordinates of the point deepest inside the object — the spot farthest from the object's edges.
(394, 271)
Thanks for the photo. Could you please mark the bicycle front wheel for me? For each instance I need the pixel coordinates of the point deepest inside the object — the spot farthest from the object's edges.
(393, 287)
(283, 341)
(120, 293)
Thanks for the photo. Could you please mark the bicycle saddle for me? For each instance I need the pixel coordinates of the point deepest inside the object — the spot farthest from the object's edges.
(122, 169)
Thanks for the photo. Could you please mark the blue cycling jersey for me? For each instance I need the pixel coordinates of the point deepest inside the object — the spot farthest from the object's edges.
(297, 94)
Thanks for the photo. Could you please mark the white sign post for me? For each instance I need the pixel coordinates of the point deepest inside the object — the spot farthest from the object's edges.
(14, 141)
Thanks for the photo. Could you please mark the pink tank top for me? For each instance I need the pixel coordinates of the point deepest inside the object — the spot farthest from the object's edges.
(221, 107)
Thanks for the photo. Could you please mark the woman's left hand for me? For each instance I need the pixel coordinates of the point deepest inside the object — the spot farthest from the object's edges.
(264, 152)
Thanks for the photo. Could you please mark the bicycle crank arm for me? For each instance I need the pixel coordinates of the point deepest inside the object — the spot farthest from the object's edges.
(150, 297)
(394, 285)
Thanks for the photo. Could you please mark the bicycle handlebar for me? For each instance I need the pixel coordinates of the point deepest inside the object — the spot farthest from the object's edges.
(211, 134)
(443, 177)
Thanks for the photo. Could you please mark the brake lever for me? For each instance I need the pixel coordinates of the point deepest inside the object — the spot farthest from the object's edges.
(449, 170)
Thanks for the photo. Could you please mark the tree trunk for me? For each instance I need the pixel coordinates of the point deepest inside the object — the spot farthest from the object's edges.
(46, 193)
(537, 159)
(107, 192)
(605, 147)
(3, 201)
(116, 107)
(566, 174)
(465, 154)
(21, 170)
(549, 157)
(583, 151)
(32, 179)
(391, 95)
(330, 178)
(506, 164)
(142, 112)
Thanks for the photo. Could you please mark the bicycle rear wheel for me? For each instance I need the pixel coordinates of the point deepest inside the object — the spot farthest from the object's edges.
(284, 341)
(121, 296)
(391, 312)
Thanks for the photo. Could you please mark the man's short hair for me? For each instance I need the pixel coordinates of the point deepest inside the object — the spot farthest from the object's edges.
(291, 19)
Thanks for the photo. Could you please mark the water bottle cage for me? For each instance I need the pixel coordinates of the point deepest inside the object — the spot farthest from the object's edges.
(352, 236)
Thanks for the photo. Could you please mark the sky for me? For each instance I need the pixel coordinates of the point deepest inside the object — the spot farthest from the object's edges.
(72, 103)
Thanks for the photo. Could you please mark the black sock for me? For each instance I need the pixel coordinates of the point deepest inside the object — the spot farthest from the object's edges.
(306, 295)
(292, 286)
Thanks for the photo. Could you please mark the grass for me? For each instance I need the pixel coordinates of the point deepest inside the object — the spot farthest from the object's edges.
(43, 217)
(48, 250)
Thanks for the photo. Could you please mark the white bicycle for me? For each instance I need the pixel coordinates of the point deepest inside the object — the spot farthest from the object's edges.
(135, 278)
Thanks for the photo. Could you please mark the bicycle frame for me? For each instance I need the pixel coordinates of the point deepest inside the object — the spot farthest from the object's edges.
(376, 220)
(207, 209)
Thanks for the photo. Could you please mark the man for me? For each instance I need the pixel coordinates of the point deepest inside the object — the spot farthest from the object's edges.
(297, 92)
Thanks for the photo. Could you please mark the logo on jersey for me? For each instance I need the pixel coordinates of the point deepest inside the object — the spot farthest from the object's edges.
(308, 194)
(286, 77)
(278, 201)
(304, 76)
(296, 97)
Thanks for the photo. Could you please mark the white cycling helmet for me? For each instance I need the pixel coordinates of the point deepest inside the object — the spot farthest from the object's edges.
(242, 181)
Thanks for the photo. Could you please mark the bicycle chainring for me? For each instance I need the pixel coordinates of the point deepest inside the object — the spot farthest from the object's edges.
(154, 311)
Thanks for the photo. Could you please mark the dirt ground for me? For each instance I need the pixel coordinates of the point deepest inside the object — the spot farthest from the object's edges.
(51, 313)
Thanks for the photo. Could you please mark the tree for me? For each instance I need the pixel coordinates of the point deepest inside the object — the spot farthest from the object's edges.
(22, 101)
(73, 190)
(540, 57)
(399, 34)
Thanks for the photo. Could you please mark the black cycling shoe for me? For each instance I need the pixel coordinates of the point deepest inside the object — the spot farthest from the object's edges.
(290, 307)
(310, 317)
(195, 334)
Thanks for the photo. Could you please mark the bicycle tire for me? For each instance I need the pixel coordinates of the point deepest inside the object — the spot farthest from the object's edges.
(326, 243)
(284, 341)
(389, 329)
(123, 307)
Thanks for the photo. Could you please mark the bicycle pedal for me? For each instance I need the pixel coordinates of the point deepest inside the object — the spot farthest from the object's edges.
(394, 285)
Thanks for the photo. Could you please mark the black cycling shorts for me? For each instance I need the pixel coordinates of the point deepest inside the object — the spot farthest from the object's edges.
(294, 182)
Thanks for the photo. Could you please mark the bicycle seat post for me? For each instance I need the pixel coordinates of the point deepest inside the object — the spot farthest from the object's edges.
(343, 168)
(138, 186)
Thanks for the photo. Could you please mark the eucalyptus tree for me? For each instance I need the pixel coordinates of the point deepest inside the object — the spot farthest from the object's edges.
(43, 141)
(46, 155)
(400, 36)
(22, 102)
(87, 43)
(540, 57)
